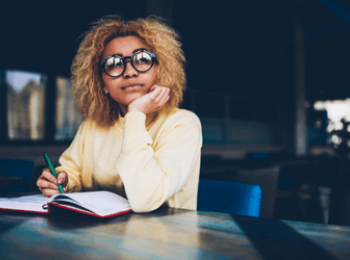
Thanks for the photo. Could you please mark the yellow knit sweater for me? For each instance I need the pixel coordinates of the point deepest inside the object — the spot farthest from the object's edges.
(151, 160)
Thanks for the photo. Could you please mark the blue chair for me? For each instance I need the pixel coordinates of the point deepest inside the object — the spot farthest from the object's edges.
(229, 197)
(15, 175)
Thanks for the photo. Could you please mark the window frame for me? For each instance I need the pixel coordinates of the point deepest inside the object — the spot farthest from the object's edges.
(49, 113)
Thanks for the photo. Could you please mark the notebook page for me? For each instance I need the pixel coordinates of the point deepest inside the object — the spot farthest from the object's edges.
(102, 203)
(28, 203)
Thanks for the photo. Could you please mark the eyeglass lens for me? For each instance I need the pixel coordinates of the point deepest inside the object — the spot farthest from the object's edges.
(141, 61)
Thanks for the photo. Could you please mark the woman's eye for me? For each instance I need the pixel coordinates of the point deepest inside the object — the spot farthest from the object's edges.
(112, 63)
(143, 60)
(116, 64)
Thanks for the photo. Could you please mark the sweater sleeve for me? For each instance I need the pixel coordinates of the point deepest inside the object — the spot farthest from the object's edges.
(71, 160)
(151, 176)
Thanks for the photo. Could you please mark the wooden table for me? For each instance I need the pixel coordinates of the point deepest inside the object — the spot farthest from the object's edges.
(167, 234)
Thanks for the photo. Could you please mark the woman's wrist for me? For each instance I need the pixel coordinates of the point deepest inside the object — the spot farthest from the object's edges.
(135, 110)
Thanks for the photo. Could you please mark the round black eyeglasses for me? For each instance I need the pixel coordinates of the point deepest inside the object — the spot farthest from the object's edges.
(114, 65)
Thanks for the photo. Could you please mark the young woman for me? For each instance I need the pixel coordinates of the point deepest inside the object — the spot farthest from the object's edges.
(135, 141)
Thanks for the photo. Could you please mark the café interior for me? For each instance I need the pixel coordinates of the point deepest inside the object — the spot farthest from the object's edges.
(269, 82)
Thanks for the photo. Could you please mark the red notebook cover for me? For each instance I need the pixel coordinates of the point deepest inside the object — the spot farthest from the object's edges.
(75, 209)
(27, 211)
(86, 203)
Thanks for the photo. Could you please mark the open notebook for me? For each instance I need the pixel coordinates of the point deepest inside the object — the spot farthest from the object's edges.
(102, 204)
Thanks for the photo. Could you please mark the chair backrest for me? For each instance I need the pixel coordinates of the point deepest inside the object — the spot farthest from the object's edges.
(229, 197)
(267, 179)
(15, 175)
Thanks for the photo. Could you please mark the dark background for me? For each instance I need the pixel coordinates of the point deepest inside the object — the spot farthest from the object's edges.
(245, 49)
(241, 48)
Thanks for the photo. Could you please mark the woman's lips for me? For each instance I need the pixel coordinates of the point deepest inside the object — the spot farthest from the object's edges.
(133, 86)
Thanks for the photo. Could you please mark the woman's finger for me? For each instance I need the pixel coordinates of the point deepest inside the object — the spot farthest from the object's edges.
(166, 94)
(62, 178)
(155, 86)
(164, 100)
(163, 93)
(160, 95)
(157, 91)
(48, 176)
(49, 192)
(44, 184)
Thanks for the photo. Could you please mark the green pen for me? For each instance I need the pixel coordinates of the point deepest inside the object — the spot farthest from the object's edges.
(52, 169)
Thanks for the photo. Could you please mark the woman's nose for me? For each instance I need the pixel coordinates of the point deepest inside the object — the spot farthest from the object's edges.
(129, 70)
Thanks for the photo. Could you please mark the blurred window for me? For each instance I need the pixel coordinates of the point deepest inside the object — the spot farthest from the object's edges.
(25, 105)
(68, 118)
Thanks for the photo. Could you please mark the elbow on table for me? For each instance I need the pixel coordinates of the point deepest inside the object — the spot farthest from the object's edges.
(142, 207)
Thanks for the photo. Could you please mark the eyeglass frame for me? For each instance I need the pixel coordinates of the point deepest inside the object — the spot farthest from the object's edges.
(102, 64)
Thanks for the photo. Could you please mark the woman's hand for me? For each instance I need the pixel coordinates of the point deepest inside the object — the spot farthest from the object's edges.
(47, 183)
(151, 102)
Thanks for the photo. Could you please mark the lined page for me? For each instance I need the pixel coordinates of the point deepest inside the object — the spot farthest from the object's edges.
(102, 203)
(28, 203)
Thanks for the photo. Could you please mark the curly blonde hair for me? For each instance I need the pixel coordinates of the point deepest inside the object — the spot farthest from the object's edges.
(87, 84)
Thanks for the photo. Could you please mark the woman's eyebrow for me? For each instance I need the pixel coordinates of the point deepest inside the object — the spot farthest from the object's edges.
(139, 49)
